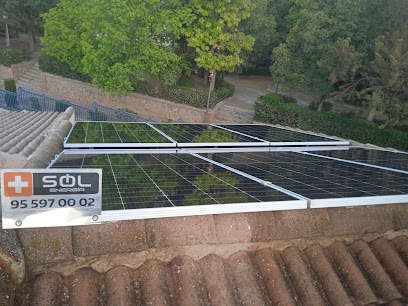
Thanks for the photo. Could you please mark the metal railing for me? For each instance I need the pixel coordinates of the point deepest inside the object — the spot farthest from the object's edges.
(42, 103)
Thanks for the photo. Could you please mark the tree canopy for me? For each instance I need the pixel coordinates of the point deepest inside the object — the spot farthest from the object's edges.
(346, 50)
(215, 35)
(116, 42)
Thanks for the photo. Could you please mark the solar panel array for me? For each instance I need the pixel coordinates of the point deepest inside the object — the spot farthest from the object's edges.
(158, 170)
(381, 158)
(131, 135)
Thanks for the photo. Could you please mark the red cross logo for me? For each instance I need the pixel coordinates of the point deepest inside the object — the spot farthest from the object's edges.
(18, 184)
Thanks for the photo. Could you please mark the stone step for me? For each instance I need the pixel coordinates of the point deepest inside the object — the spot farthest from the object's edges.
(234, 117)
(27, 79)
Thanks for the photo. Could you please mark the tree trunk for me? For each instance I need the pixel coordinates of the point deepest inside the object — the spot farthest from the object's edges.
(321, 102)
(31, 38)
(7, 36)
(371, 114)
(212, 85)
(206, 74)
(276, 88)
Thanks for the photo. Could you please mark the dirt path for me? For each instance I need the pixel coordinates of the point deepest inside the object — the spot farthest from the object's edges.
(247, 91)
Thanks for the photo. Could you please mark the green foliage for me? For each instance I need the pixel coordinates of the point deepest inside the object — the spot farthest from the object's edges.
(261, 71)
(53, 65)
(326, 107)
(197, 97)
(143, 87)
(315, 53)
(186, 80)
(328, 123)
(215, 35)
(9, 56)
(10, 85)
(277, 98)
(379, 84)
(115, 42)
(261, 25)
(25, 15)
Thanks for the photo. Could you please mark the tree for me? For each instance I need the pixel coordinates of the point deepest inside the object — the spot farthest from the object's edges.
(26, 15)
(33, 9)
(215, 36)
(285, 68)
(261, 25)
(377, 76)
(382, 83)
(321, 31)
(116, 42)
(307, 43)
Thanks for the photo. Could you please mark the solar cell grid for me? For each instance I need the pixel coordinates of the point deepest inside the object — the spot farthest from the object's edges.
(380, 158)
(275, 134)
(101, 133)
(133, 181)
(317, 178)
(205, 134)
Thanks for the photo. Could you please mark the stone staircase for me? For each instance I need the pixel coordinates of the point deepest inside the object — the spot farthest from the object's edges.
(31, 81)
(229, 114)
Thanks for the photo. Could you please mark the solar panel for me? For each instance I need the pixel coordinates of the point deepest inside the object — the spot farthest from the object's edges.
(206, 135)
(209, 169)
(108, 134)
(281, 136)
(378, 157)
(134, 182)
(326, 182)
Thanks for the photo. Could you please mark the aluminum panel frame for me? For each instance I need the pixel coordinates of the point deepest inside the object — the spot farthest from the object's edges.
(198, 210)
(359, 201)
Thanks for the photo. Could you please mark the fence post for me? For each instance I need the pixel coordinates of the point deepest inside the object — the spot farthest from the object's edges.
(94, 106)
(122, 115)
(20, 89)
(44, 107)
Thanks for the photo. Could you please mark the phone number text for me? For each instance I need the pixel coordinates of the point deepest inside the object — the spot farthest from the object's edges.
(51, 203)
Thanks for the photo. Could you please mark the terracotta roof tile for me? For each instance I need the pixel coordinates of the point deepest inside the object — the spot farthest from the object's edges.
(19, 130)
(359, 273)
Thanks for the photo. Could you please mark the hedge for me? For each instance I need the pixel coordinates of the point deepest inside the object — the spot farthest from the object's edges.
(53, 65)
(196, 97)
(186, 80)
(269, 111)
(10, 85)
(9, 56)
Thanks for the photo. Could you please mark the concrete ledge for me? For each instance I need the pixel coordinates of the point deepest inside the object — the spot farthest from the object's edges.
(118, 237)
(46, 244)
(181, 231)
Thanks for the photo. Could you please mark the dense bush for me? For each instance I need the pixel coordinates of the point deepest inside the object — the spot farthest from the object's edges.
(53, 65)
(9, 56)
(144, 87)
(328, 123)
(326, 107)
(196, 97)
(186, 80)
(277, 98)
(10, 85)
(261, 71)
